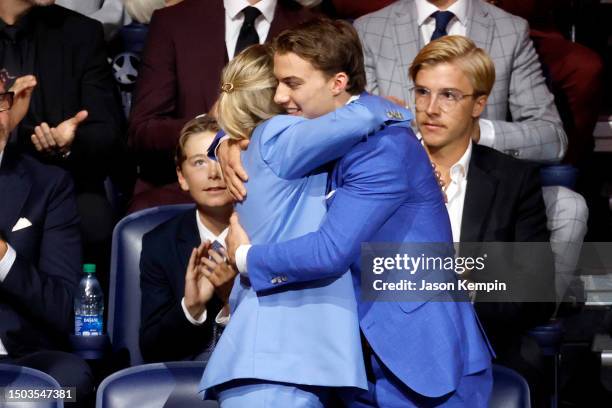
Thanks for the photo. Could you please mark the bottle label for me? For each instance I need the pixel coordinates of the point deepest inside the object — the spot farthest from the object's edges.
(87, 325)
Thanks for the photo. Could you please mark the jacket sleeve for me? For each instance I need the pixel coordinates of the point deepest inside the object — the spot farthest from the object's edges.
(153, 123)
(536, 131)
(165, 332)
(375, 185)
(100, 136)
(294, 147)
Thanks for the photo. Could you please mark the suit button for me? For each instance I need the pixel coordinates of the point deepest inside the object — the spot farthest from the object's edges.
(512, 152)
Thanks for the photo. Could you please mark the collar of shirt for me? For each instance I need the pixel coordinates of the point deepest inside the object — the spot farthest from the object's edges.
(234, 7)
(459, 170)
(425, 9)
(206, 234)
(1, 156)
(463, 164)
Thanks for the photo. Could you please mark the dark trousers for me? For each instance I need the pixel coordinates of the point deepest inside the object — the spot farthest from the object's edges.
(69, 371)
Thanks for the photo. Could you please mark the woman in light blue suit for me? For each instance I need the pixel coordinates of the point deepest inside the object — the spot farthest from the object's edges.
(290, 348)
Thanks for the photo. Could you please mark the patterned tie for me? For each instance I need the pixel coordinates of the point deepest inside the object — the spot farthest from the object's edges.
(442, 20)
(248, 35)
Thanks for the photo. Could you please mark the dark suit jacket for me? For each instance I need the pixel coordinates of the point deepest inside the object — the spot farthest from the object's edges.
(36, 298)
(179, 77)
(73, 74)
(503, 203)
(165, 332)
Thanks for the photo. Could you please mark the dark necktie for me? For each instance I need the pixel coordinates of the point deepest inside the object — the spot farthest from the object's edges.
(248, 35)
(442, 19)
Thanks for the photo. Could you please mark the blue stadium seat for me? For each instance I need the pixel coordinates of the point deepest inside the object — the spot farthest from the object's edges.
(510, 390)
(23, 378)
(559, 175)
(168, 385)
(549, 337)
(124, 287)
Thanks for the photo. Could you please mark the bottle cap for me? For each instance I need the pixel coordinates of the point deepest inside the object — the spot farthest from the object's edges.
(89, 268)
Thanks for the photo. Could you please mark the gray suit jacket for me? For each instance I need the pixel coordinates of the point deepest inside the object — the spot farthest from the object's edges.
(392, 38)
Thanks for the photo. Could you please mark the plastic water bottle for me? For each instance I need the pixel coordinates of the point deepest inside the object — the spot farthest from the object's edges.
(89, 304)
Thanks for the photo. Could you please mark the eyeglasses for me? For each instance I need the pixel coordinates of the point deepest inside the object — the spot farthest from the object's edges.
(447, 99)
(6, 100)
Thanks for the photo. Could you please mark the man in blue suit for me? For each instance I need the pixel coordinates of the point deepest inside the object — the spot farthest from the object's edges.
(427, 352)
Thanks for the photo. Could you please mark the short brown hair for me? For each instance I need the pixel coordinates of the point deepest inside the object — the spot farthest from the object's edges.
(199, 124)
(473, 61)
(331, 46)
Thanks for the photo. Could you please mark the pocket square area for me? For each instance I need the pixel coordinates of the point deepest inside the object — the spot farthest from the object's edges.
(21, 224)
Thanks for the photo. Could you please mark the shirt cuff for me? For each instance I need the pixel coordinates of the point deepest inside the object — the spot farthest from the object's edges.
(223, 317)
(7, 261)
(487, 133)
(195, 322)
(221, 140)
(241, 259)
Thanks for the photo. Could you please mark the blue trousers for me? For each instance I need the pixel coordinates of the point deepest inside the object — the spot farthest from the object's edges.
(387, 391)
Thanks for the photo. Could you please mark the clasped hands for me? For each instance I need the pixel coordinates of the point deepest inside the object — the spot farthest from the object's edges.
(208, 273)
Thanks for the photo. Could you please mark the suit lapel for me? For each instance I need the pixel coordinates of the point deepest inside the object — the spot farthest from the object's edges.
(14, 183)
(480, 26)
(479, 195)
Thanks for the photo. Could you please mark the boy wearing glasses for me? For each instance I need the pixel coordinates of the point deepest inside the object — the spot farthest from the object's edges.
(490, 196)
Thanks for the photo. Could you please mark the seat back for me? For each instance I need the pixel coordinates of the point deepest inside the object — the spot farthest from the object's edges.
(124, 286)
(510, 390)
(14, 377)
(165, 385)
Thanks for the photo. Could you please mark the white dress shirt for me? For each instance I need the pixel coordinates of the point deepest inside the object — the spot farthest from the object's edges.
(456, 26)
(234, 19)
(206, 235)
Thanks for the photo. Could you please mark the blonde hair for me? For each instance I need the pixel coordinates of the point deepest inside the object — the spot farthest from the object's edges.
(142, 10)
(248, 86)
(199, 124)
(457, 49)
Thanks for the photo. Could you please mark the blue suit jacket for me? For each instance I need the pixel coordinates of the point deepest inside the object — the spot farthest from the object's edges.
(308, 334)
(36, 297)
(385, 191)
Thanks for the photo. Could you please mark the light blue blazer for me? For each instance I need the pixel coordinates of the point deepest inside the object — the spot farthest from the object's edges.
(385, 191)
(308, 334)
